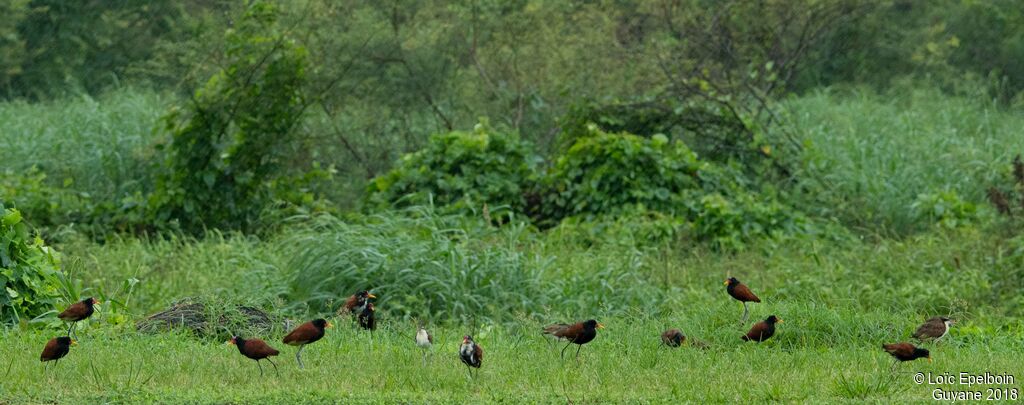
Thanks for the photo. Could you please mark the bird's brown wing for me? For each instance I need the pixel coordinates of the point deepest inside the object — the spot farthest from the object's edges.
(757, 332)
(569, 332)
(929, 330)
(302, 334)
(76, 312)
(349, 305)
(899, 349)
(479, 353)
(430, 338)
(555, 328)
(672, 337)
(259, 348)
(50, 351)
(743, 293)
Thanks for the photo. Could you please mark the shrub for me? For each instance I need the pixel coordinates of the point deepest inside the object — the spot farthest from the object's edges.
(227, 144)
(29, 271)
(606, 173)
(463, 170)
(944, 208)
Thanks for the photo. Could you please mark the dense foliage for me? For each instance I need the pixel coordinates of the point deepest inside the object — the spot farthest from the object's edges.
(29, 271)
(462, 170)
(224, 158)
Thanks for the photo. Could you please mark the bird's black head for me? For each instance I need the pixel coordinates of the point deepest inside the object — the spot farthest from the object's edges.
(320, 323)
(592, 324)
(64, 341)
(731, 281)
(922, 353)
(467, 339)
(89, 302)
(773, 320)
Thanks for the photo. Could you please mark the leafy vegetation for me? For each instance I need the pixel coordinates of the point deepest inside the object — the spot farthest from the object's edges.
(29, 270)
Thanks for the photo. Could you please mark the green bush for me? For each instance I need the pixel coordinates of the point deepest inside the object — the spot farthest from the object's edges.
(463, 170)
(29, 271)
(944, 208)
(228, 143)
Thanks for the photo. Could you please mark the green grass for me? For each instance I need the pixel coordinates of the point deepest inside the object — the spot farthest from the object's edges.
(870, 155)
(625, 363)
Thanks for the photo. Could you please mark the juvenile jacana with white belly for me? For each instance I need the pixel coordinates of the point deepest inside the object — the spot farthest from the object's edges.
(742, 293)
(471, 354)
(255, 349)
(305, 334)
(56, 349)
(355, 303)
(424, 340)
(905, 352)
(579, 333)
(933, 329)
(77, 312)
(763, 330)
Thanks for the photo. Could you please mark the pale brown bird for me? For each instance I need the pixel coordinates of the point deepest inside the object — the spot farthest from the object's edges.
(933, 329)
(77, 312)
(741, 292)
(763, 330)
(305, 334)
(471, 354)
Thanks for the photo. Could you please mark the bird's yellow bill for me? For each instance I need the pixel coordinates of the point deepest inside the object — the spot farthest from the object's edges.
(330, 325)
(74, 343)
(929, 359)
(780, 321)
(726, 282)
(371, 295)
(230, 342)
(600, 326)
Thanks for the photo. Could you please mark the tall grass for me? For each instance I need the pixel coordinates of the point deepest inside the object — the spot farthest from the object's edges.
(870, 155)
(97, 146)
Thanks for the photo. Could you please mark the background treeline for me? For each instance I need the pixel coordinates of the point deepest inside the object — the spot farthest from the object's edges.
(490, 128)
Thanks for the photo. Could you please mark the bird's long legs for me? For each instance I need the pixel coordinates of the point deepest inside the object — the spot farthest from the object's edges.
(261, 368)
(566, 347)
(746, 313)
(298, 356)
(275, 366)
(578, 352)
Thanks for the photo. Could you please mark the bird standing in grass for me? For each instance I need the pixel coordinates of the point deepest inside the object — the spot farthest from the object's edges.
(673, 338)
(366, 318)
(763, 330)
(424, 341)
(578, 333)
(933, 329)
(77, 312)
(355, 303)
(905, 352)
(742, 293)
(56, 349)
(255, 349)
(471, 354)
(305, 334)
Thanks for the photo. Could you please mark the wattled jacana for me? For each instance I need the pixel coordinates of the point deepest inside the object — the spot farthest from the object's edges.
(742, 293)
(763, 330)
(935, 328)
(424, 340)
(56, 349)
(305, 334)
(77, 312)
(905, 352)
(366, 318)
(355, 303)
(255, 349)
(578, 333)
(673, 338)
(471, 354)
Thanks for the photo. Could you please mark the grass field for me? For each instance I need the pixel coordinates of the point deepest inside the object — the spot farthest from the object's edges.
(819, 354)
(869, 273)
